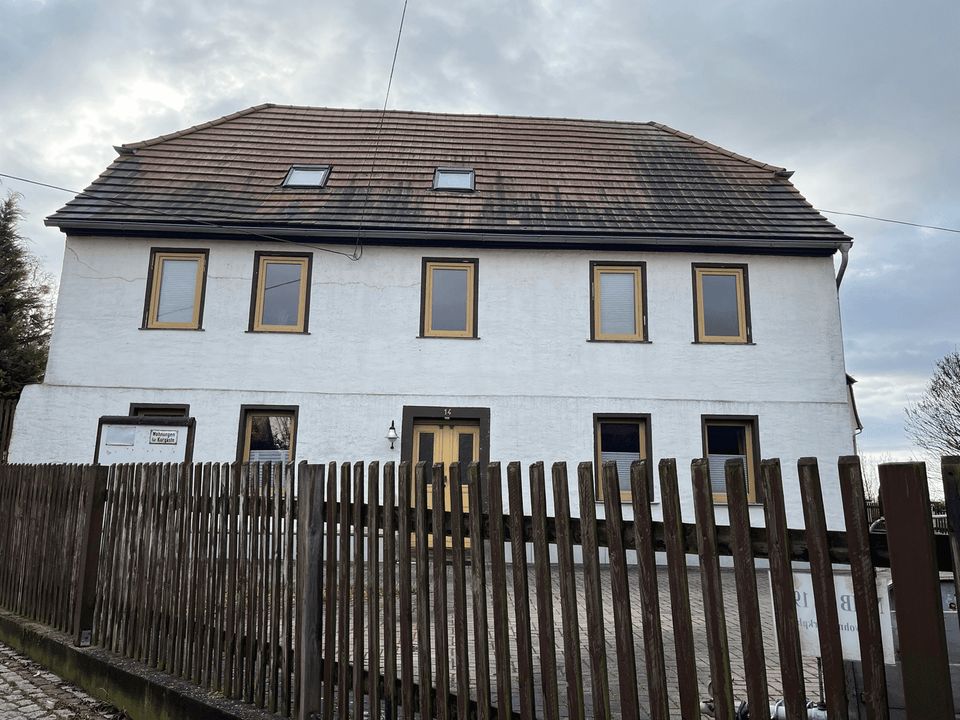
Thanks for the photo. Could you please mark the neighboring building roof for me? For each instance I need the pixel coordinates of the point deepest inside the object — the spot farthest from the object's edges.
(537, 180)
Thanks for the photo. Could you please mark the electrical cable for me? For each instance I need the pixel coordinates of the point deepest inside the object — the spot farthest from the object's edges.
(358, 249)
(178, 216)
(888, 220)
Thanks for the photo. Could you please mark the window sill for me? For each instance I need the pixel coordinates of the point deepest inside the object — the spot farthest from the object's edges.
(712, 342)
(196, 329)
(627, 502)
(447, 337)
(752, 503)
(276, 332)
(628, 342)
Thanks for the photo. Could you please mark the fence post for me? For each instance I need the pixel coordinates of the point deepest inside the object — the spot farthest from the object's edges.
(310, 551)
(916, 590)
(94, 484)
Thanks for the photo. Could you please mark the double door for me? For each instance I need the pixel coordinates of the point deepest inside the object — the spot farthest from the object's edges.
(438, 442)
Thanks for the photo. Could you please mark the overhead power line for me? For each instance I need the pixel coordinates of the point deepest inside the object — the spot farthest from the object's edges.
(888, 220)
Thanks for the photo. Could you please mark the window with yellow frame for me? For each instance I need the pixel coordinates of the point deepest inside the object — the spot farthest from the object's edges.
(617, 302)
(281, 293)
(730, 438)
(175, 288)
(268, 434)
(449, 298)
(721, 304)
(622, 439)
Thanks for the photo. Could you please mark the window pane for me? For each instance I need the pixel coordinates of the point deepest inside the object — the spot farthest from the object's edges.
(620, 443)
(449, 299)
(725, 442)
(425, 450)
(618, 306)
(456, 180)
(270, 437)
(720, 305)
(465, 452)
(281, 294)
(178, 286)
(307, 177)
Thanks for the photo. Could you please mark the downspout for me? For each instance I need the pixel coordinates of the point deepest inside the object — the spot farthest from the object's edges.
(844, 258)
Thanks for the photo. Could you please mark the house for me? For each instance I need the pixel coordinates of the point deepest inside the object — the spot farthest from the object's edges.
(301, 280)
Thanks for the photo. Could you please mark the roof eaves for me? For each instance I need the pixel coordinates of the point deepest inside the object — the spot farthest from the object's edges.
(775, 169)
(128, 148)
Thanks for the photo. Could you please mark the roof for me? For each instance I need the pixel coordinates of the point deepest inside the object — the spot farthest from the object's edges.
(536, 178)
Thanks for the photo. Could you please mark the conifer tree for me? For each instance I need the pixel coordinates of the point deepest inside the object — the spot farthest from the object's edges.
(25, 316)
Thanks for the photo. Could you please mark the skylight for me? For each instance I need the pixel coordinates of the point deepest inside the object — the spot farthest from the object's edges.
(453, 179)
(313, 176)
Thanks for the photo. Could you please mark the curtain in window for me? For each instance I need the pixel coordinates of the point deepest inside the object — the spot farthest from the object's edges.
(178, 286)
(618, 304)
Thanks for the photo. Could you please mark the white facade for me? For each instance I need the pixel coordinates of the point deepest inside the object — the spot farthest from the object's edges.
(532, 365)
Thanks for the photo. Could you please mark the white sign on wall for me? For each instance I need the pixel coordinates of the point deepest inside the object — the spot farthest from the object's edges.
(846, 612)
(144, 439)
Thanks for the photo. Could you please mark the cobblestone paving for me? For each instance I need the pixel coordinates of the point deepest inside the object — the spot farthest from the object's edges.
(28, 691)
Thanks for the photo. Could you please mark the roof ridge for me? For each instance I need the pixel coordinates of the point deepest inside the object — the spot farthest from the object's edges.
(194, 128)
(775, 169)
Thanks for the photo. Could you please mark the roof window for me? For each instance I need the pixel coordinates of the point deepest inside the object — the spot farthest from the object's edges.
(453, 179)
(312, 176)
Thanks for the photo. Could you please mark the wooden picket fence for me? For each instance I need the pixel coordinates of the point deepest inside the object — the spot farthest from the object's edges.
(321, 591)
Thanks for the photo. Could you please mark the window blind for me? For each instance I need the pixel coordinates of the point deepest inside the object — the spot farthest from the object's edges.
(623, 460)
(178, 290)
(718, 476)
(618, 308)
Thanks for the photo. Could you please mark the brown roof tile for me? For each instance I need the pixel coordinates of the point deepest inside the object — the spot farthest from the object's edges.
(550, 177)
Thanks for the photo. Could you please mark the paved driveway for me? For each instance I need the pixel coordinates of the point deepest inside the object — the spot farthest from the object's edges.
(28, 691)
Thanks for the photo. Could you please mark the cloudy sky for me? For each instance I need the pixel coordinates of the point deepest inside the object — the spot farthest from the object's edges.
(861, 98)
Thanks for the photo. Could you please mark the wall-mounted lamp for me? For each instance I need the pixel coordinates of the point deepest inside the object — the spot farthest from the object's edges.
(392, 434)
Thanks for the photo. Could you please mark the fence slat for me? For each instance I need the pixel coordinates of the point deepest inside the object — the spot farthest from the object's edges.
(458, 562)
(569, 607)
(289, 599)
(824, 590)
(546, 629)
(330, 593)
(498, 589)
(478, 565)
(782, 589)
(373, 588)
(620, 593)
(745, 574)
(389, 593)
(593, 593)
(442, 655)
(423, 479)
(343, 599)
(864, 588)
(714, 617)
(232, 589)
(404, 498)
(265, 485)
(521, 593)
(358, 582)
(950, 476)
(679, 589)
(310, 482)
(640, 476)
(248, 551)
(916, 591)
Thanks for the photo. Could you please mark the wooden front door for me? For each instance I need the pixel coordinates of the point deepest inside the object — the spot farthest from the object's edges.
(437, 442)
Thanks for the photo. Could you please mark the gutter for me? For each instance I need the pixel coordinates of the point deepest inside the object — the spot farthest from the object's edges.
(440, 238)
